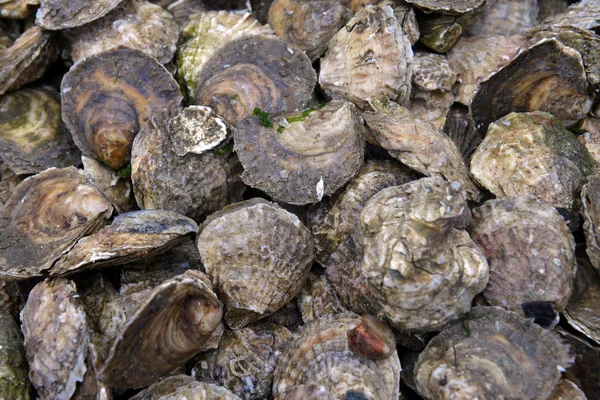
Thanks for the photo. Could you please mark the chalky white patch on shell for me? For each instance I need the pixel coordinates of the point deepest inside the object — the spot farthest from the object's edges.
(320, 189)
(196, 133)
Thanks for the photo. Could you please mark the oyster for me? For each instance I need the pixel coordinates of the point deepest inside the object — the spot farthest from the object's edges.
(461, 129)
(318, 298)
(587, 363)
(308, 25)
(245, 360)
(182, 314)
(557, 163)
(583, 309)
(8, 184)
(547, 77)
(590, 197)
(405, 14)
(421, 265)
(131, 237)
(530, 251)
(370, 57)
(56, 338)
(372, 338)
(418, 144)
(449, 7)
(506, 17)
(584, 14)
(182, 386)
(115, 186)
(18, 9)
(43, 219)
(136, 24)
(491, 354)
(183, 10)
(320, 355)
(590, 137)
(62, 14)
(32, 135)
(255, 72)
(567, 390)
(14, 382)
(107, 97)
(306, 157)
(258, 257)
(179, 150)
(91, 387)
(27, 58)
(303, 392)
(440, 32)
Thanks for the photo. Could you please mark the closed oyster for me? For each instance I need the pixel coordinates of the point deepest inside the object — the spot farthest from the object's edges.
(255, 72)
(43, 219)
(506, 17)
(320, 355)
(449, 7)
(179, 150)
(115, 186)
(62, 14)
(491, 354)
(245, 360)
(318, 298)
(461, 129)
(421, 265)
(181, 314)
(556, 162)
(32, 135)
(369, 58)
(583, 309)
(567, 390)
(131, 237)
(418, 144)
(530, 251)
(590, 197)
(27, 58)
(56, 338)
(339, 222)
(136, 24)
(17, 9)
(308, 156)
(475, 59)
(308, 25)
(440, 32)
(547, 77)
(182, 386)
(258, 257)
(108, 97)
(14, 382)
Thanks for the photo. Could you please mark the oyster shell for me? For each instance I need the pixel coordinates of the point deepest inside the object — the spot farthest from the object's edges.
(14, 382)
(491, 353)
(320, 355)
(131, 237)
(56, 338)
(583, 309)
(183, 386)
(136, 24)
(506, 17)
(590, 197)
(550, 8)
(590, 137)
(308, 156)
(258, 257)
(449, 7)
(302, 392)
(91, 387)
(32, 135)
(318, 298)
(556, 162)
(18, 9)
(107, 97)
(530, 251)
(587, 362)
(370, 57)
(182, 314)
(372, 338)
(584, 14)
(62, 14)
(567, 390)
(114, 185)
(43, 219)
(461, 129)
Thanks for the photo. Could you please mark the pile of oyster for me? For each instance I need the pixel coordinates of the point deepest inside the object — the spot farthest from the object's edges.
(299, 199)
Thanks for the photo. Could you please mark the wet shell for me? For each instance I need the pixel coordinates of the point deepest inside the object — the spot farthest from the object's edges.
(44, 217)
(136, 24)
(175, 320)
(306, 157)
(369, 58)
(32, 135)
(506, 17)
(115, 186)
(14, 382)
(320, 355)
(245, 360)
(62, 14)
(583, 309)
(567, 390)
(556, 163)
(258, 257)
(131, 236)
(56, 338)
(108, 97)
(182, 386)
(318, 298)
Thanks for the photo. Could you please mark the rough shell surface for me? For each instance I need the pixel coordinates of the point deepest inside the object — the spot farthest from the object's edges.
(115, 186)
(584, 14)
(318, 298)
(432, 72)
(567, 390)
(583, 309)
(302, 392)
(590, 137)
(18, 9)
(183, 386)
(62, 14)
(451, 7)
(14, 381)
(461, 129)
(505, 17)
(372, 338)
(440, 32)
(587, 363)
(432, 106)
(590, 197)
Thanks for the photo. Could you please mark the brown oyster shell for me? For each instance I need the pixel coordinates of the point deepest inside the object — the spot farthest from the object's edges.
(320, 355)
(183, 386)
(339, 221)
(136, 24)
(62, 14)
(432, 72)
(131, 236)
(418, 260)
(587, 363)
(475, 59)
(530, 251)
(550, 8)
(440, 32)
(372, 338)
(307, 25)
(8, 184)
(258, 257)
(432, 106)
(14, 381)
(27, 58)
(32, 135)
(302, 392)
(288, 316)
(44, 217)
(583, 309)
(590, 137)
(56, 338)
(11, 299)
(369, 58)
(245, 360)
(115, 186)
(548, 77)
(556, 162)
(318, 298)
(418, 144)
(506, 17)
(590, 197)
(181, 314)
(91, 387)
(449, 7)
(461, 129)
(255, 72)
(584, 14)
(177, 151)
(17, 9)
(300, 162)
(109, 96)
(491, 353)
(567, 390)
